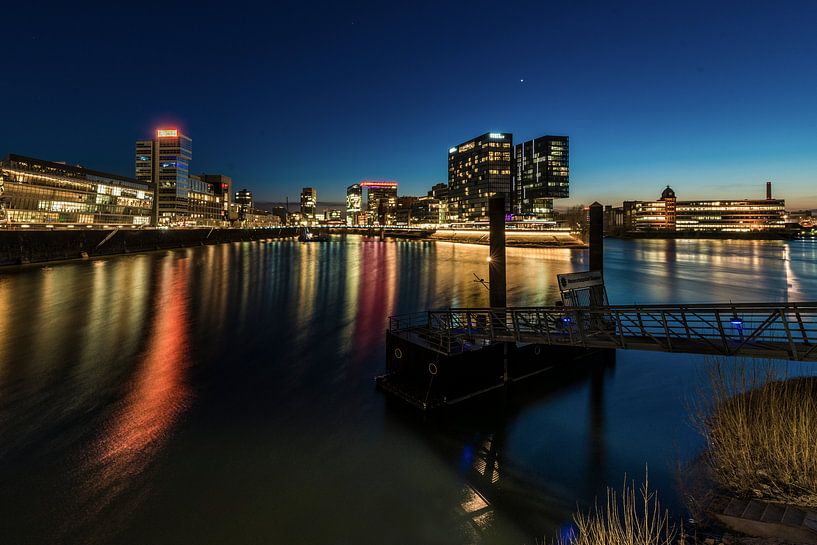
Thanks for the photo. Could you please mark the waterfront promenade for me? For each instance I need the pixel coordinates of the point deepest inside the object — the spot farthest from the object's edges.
(25, 246)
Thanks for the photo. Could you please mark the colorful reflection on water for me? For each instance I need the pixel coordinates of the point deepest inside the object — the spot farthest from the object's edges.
(225, 394)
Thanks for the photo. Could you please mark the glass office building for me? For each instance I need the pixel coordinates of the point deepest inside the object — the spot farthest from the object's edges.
(541, 174)
(221, 187)
(354, 204)
(204, 207)
(381, 202)
(309, 203)
(244, 201)
(478, 170)
(164, 163)
(35, 192)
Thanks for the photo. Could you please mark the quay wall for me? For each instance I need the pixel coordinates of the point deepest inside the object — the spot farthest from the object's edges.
(36, 246)
(716, 235)
(533, 239)
(537, 239)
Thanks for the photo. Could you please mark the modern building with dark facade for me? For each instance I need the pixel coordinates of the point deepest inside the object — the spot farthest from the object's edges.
(381, 202)
(309, 203)
(404, 213)
(243, 199)
(439, 193)
(478, 170)
(204, 207)
(222, 187)
(164, 163)
(44, 193)
(541, 174)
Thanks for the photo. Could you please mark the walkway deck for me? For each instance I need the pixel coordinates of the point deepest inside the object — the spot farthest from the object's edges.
(760, 330)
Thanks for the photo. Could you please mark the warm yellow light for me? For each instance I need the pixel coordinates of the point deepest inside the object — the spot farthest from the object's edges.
(161, 133)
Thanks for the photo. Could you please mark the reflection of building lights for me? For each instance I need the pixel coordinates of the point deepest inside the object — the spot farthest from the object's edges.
(472, 500)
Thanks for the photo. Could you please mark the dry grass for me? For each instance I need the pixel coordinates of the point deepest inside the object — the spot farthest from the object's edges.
(631, 518)
(761, 432)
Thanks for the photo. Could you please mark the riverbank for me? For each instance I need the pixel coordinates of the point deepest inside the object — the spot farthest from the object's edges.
(20, 247)
(513, 238)
(703, 235)
(521, 239)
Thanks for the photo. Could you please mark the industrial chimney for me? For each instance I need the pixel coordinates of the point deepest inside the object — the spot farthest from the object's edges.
(768, 191)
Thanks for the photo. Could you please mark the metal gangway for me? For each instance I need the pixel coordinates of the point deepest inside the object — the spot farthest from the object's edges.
(765, 330)
(585, 319)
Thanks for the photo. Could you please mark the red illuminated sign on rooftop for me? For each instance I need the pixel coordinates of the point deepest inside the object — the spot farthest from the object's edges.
(377, 183)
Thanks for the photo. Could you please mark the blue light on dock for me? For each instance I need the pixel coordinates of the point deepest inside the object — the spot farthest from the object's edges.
(737, 322)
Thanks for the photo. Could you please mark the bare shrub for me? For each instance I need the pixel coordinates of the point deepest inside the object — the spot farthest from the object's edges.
(761, 432)
(632, 518)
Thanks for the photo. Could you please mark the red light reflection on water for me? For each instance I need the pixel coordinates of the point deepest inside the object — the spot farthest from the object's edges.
(158, 396)
(377, 295)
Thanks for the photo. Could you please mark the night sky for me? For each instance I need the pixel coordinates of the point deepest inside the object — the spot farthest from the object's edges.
(712, 97)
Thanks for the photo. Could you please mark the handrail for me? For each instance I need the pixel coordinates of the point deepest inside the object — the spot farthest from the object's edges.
(756, 329)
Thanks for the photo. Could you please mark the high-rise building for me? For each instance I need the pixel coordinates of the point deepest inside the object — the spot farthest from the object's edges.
(381, 202)
(38, 192)
(354, 204)
(164, 163)
(439, 192)
(243, 199)
(423, 211)
(478, 170)
(309, 203)
(403, 214)
(204, 207)
(541, 174)
(222, 187)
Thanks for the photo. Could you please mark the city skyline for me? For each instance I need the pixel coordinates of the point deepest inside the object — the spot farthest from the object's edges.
(714, 101)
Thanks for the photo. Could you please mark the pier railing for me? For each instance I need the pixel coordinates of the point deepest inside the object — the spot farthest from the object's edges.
(786, 330)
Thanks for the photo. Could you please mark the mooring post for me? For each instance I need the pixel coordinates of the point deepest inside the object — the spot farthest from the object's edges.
(496, 263)
(496, 272)
(596, 237)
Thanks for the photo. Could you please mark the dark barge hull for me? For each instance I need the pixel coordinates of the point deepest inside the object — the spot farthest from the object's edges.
(427, 379)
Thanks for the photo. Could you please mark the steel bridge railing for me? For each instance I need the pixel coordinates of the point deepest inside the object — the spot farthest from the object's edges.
(786, 330)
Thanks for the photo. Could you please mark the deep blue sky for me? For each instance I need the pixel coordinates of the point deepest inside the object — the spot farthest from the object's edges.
(711, 97)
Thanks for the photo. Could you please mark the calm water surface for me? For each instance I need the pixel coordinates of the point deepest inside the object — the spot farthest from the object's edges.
(225, 395)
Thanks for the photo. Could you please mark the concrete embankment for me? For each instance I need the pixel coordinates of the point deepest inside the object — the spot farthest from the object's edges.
(535, 239)
(36, 246)
(705, 235)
